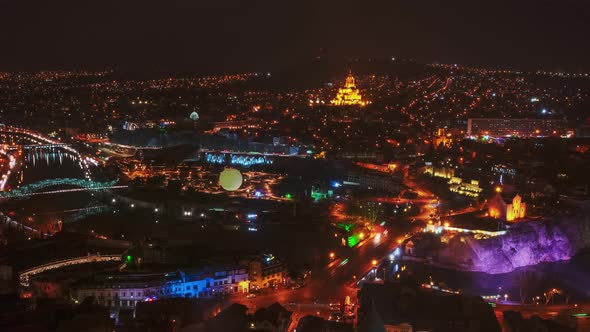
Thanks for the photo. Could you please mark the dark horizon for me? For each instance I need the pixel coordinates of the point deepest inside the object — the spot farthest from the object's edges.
(235, 36)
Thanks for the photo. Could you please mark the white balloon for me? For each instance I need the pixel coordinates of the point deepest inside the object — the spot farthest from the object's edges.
(230, 179)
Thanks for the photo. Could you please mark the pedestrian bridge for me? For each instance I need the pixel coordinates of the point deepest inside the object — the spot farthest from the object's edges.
(90, 258)
(37, 187)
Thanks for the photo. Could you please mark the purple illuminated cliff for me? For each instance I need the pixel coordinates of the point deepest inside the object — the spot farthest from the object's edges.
(525, 243)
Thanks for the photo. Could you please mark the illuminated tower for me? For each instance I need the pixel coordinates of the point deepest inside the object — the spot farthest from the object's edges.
(348, 94)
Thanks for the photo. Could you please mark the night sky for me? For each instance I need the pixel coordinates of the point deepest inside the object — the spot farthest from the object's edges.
(229, 35)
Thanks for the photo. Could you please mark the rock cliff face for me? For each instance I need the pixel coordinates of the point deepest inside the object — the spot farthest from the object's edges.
(525, 243)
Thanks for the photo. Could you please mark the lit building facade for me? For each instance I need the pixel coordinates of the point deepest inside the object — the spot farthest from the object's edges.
(510, 210)
(348, 95)
(265, 271)
(444, 137)
(516, 127)
(439, 172)
(470, 189)
(120, 290)
(383, 182)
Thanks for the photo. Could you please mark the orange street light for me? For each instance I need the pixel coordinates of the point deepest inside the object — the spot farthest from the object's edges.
(332, 255)
(374, 262)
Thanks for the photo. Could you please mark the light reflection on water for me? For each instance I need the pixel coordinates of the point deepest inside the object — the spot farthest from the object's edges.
(49, 163)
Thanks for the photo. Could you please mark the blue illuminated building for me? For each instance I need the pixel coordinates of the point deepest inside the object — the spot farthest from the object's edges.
(124, 290)
(234, 159)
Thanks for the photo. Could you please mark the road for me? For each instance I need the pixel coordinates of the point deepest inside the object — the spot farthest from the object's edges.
(339, 277)
(368, 260)
(331, 285)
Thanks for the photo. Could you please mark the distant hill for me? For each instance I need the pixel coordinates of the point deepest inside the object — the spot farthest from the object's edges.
(316, 72)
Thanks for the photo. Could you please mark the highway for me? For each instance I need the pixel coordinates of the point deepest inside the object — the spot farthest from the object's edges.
(339, 277)
(331, 285)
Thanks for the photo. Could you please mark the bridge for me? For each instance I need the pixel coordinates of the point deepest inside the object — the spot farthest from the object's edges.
(43, 141)
(41, 146)
(22, 131)
(90, 258)
(81, 184)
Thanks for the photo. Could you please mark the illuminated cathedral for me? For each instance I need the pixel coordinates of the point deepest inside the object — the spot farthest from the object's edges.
(348, 94)
(508, 210)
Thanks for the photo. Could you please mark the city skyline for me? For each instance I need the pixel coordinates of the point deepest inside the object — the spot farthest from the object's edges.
(295, 166)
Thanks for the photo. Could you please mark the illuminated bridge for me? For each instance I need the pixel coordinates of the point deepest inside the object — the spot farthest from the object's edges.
(37, 187)
(21, 131)
(41, 146)
(90, 258)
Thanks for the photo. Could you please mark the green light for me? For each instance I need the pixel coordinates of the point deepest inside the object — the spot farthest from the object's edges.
(288, 196)
(346, 227)
(383, 223)
(129, 258)
(579, 315)
(353, 240)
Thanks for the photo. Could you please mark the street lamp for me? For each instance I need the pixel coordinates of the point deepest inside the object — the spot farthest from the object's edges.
(332, 255)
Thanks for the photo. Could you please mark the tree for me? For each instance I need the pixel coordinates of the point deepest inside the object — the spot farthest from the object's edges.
(372, 212)
(525, 281)
(550, 294)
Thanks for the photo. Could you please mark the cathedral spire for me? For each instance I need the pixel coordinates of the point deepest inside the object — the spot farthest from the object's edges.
(348, 94)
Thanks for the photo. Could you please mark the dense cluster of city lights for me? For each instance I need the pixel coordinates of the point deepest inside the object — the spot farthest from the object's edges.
(11, 164)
